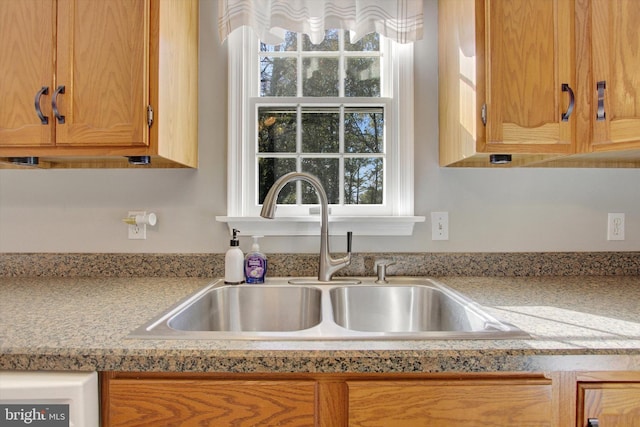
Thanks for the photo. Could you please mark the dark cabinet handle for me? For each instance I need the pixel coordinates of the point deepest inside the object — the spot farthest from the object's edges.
(572, 99)
(593, 422)
(44, 90)
(600, 114)
(54, 104)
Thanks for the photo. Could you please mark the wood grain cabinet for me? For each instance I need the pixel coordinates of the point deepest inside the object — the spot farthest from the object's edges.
(551, 83)
(613, 82)
(552, 399)
(608, 404)
(506, 78)
(27, 31)
(461, 403)
(90, 83)
(331, 400)
(197, 401)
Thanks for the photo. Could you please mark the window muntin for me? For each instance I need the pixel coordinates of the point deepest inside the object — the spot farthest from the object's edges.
(320, 109)
(343, 146)
(335, 67)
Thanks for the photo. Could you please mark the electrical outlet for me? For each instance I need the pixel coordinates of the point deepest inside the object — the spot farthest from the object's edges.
(137, 232)
(615, 226)
(439, 225)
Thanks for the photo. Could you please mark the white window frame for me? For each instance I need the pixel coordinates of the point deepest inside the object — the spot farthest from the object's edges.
(394, 218)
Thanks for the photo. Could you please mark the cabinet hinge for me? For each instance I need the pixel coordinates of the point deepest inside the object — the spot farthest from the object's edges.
(149, 115)
(483, 114)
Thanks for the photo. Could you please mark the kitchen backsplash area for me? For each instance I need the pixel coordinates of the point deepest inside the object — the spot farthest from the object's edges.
(517, 264)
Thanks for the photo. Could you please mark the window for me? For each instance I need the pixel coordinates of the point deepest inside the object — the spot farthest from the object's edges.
(319, 110)
(342, 111)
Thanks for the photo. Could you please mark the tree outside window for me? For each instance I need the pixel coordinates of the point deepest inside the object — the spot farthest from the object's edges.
(320, 111)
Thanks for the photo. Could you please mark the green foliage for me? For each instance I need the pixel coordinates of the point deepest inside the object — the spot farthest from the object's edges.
(320, 152)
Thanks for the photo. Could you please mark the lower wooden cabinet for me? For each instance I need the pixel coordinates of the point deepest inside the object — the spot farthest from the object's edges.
(608, 404)
(558, 399)
(154, 399)
(203, 402)
(450, 403)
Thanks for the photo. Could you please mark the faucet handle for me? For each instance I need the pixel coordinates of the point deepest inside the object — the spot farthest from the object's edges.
(349, 238)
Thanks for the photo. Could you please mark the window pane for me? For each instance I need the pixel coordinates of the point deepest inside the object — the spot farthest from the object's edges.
(363, 130)
(269, 170)
(339, 140)
(362, 77)
(326, 170)
(290, 44)
(320, 77)
(320, 131)
(278, 76)
(368, 43)
(276, 130)
(329, 44)
(363, 181)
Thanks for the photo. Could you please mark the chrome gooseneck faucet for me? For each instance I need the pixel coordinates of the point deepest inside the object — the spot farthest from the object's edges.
(328, 266)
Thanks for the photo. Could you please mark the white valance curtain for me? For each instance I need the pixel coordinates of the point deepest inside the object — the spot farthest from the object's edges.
(399, 20)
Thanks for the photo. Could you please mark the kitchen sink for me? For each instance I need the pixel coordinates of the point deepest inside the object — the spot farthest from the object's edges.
(405, 308)
(251, 309)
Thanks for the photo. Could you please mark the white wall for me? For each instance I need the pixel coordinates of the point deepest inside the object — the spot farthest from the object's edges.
(490, 210)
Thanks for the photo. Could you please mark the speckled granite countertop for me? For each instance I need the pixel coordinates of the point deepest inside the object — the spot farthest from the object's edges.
(75, 323)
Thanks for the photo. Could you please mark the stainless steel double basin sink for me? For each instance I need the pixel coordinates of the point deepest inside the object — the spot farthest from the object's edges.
(405, 308)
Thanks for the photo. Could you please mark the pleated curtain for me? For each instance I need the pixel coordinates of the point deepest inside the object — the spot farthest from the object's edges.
(399, 20)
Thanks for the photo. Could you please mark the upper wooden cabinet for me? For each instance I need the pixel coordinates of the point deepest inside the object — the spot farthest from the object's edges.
(527, 61)
(503, 66)
(519, 77)
(88, 83)
(102, 63)
(27, 31)
(614, 81)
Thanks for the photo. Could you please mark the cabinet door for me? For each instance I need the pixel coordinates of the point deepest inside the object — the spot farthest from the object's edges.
(612, 404)
(177, 402)
(529, 56)
(27, 51)
(616, 65)
(461, 403)
(102, 62)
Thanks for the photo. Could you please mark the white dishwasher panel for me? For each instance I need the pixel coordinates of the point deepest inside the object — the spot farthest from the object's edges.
(20, 389)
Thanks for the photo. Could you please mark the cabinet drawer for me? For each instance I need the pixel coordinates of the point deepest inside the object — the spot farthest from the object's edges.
(151, 402)
(460, 403)
(612, 404)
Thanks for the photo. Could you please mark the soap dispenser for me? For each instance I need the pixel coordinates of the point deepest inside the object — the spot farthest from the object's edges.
(234, 262)
(255, 264)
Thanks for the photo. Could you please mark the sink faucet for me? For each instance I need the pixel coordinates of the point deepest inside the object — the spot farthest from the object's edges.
(328, 266)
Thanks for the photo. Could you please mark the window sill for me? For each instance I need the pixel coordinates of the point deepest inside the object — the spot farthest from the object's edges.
(310, 225)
